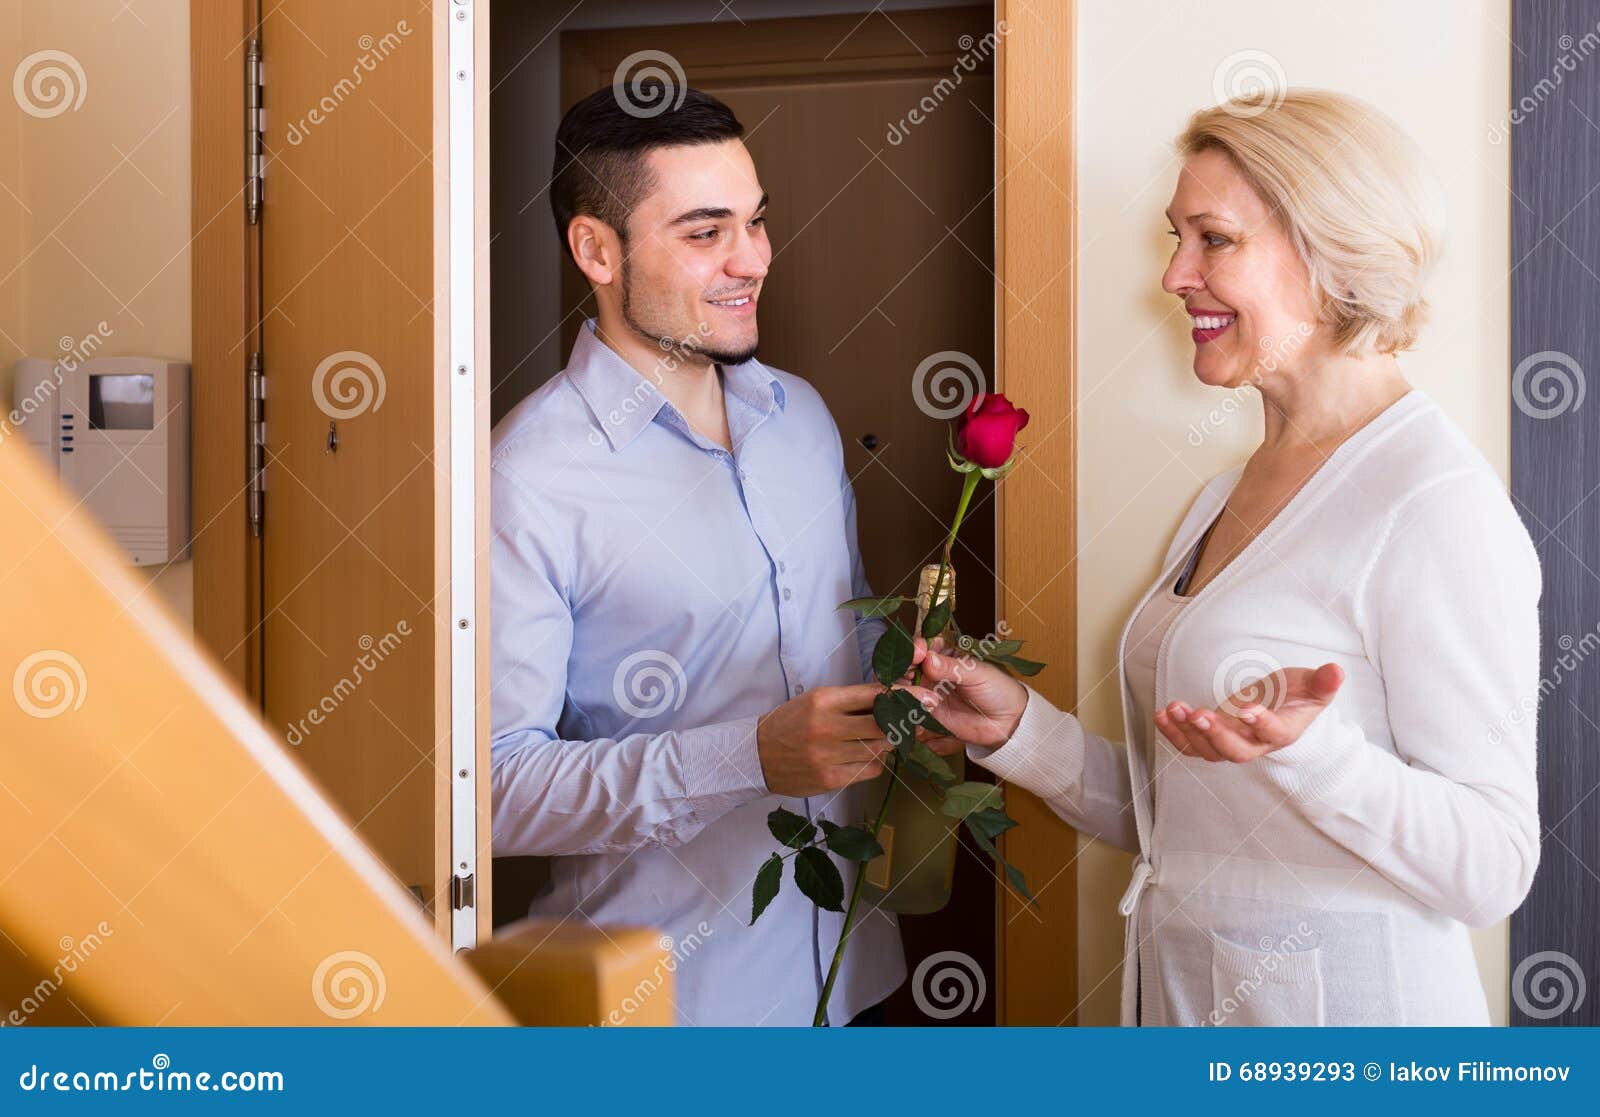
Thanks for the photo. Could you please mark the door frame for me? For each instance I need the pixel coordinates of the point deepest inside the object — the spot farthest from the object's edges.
(461, 500)
(226, 258)
(1036, 517)
(1035, 305)
(224, 282)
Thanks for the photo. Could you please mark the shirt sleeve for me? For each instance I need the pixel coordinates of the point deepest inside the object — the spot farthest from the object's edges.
(868, 629)
(1449, 611)
(553, 796)
(1082, 777)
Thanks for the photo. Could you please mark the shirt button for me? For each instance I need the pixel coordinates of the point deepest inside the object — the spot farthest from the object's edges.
(787, 593)
(781, 566)
(798, 687)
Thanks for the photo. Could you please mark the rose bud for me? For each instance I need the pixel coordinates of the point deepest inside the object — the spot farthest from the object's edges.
(987, 433)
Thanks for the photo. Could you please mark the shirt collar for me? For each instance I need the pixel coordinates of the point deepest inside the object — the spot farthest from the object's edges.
(624, 402)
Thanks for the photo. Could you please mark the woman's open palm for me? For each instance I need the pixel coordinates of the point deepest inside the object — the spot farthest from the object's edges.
(1268, 714)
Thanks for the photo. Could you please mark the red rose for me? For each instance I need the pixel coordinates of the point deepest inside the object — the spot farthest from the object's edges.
(987, 433)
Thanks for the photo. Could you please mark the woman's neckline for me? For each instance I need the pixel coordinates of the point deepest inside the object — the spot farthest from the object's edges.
(1357, 439)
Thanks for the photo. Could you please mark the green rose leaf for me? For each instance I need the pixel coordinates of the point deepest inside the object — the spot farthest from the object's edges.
(827, 827)
(1014, 875)
(875, 606)
(990, 822)
(854, 844)
(1016, 663)
(984, 826)
(891, 658)
(767, 881)
(1000, 647)
(984, 841)
(818, 877)
(928, 764)
(964, 798)
(790, 829)
(899, 715)
(936, 620)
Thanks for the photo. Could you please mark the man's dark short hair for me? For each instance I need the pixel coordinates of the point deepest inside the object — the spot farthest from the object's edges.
(601, 146)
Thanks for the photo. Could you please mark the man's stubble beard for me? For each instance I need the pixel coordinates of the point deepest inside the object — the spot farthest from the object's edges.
(665, 342)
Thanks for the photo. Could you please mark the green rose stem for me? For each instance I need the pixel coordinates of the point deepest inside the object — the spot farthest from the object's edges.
(968, 487)
(821, 1017)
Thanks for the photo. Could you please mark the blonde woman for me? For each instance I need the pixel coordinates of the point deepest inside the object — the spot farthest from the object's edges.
(1319, 775)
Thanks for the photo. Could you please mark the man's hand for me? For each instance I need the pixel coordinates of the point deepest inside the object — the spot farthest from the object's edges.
(826, 739)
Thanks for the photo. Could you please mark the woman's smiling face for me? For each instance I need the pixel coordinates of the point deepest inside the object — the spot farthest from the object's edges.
(1246, 289)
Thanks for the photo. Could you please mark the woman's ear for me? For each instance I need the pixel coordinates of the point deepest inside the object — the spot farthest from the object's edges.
(595, 248)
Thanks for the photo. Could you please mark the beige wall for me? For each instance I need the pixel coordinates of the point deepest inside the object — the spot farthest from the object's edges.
(1442, 69)
(94, 202)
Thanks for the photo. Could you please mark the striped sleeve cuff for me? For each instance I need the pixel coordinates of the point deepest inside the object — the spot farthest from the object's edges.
(1328, 754)
(721, 765)
(1044, 755)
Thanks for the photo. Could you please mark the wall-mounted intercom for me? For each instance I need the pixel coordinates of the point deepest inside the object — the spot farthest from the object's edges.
(116, 429)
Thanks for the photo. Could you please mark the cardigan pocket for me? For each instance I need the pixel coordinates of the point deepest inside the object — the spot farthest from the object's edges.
(1268, 986)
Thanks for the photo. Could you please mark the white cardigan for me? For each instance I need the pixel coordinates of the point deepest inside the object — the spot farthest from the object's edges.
(1330, 882)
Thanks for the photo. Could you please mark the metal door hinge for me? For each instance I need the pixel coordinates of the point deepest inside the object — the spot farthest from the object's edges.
(253, 125)
(256, 438)
(462, 892)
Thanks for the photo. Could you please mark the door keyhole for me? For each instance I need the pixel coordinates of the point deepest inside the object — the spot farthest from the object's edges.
(333, 438)
(870, 441)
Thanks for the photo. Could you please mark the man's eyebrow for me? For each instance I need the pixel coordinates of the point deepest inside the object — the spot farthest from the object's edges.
(711, 213)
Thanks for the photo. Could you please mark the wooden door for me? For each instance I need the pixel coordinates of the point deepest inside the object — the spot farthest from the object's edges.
(355, 560)
(880, 293)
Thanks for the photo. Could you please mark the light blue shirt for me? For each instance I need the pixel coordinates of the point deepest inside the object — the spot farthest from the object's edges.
(653, 595)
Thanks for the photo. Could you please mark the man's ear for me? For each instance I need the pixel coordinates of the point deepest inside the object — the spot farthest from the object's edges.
(596, 249)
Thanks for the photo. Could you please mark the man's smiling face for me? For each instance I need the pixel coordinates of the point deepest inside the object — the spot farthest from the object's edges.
(696, 252)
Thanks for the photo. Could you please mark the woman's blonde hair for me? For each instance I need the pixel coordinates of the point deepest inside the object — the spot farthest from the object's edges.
(1354, 195)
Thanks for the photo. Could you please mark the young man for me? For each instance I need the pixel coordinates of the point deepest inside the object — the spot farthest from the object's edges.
(673, 534)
